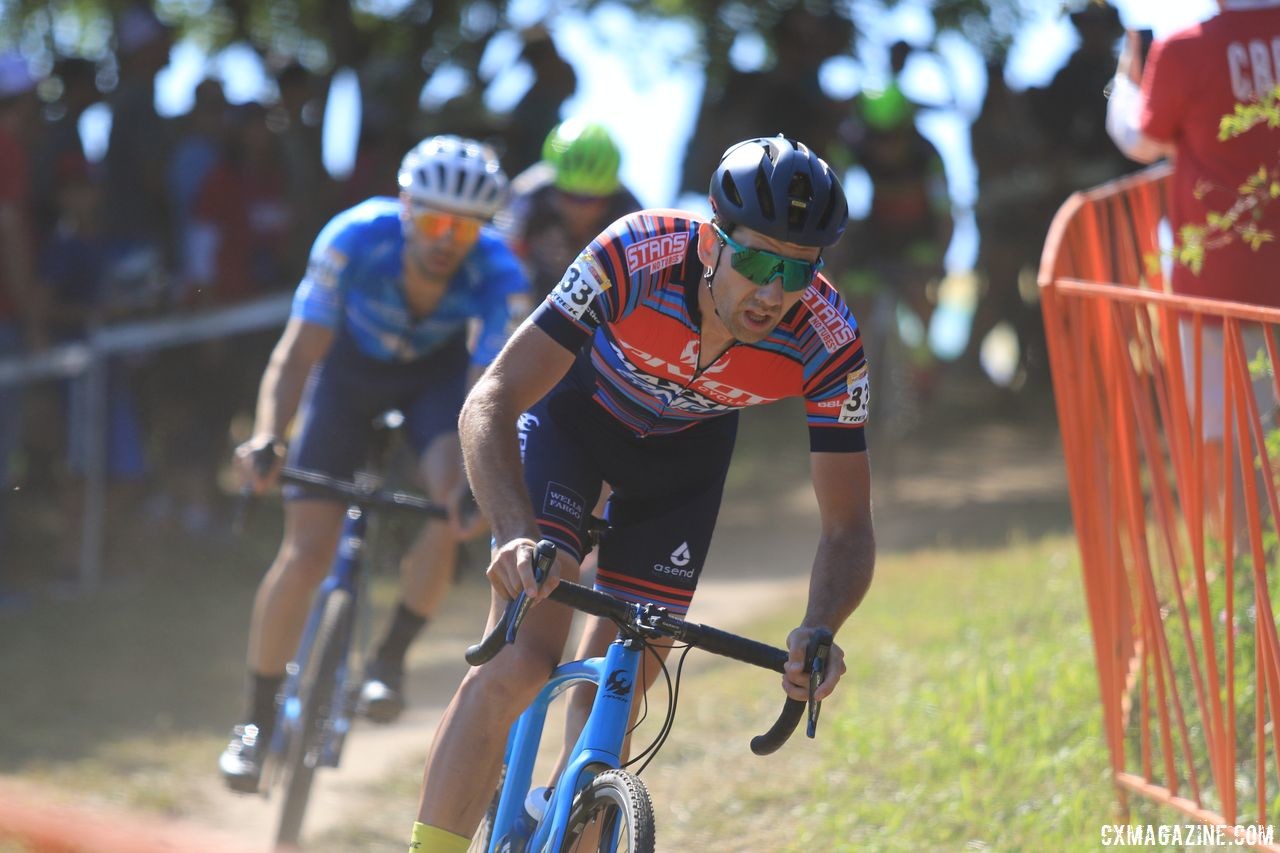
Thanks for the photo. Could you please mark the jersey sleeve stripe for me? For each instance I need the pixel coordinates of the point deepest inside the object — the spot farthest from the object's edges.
(833, 372)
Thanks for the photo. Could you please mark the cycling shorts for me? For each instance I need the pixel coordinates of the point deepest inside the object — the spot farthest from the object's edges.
(666, 493)
(348, 389)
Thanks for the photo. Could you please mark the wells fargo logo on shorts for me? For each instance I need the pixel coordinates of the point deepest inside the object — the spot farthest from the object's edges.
(563, 503)
(657, 253)
(833, 329)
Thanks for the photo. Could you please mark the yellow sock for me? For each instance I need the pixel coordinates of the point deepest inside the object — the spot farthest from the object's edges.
(433, 839)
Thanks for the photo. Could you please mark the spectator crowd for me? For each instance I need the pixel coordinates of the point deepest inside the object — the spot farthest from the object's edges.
(220, 206)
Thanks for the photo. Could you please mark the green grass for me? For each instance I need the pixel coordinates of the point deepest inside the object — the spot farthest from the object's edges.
(969, 718)
(124, 691)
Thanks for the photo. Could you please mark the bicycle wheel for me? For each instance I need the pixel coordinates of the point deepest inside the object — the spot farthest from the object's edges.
(315, 691)
(614, 803)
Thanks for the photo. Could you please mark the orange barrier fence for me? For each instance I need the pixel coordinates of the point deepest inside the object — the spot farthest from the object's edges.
(1174, 501)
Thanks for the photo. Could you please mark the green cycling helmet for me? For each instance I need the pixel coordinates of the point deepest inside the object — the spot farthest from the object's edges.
(885, 109)
(585, 158)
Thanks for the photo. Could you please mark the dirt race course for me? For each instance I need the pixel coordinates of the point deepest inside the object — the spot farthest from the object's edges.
(971, 483)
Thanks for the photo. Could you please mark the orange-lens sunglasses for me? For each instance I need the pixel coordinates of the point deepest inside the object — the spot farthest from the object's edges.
(433, 225)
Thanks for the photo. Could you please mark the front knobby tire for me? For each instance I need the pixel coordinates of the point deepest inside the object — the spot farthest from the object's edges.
(614, 801)
(316, 691)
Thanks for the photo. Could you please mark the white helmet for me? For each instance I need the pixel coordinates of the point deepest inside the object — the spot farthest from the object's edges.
(455, 175)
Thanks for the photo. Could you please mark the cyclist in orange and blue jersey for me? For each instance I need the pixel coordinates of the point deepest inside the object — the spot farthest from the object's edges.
(632, 372)
(380, 321)
(559, 204)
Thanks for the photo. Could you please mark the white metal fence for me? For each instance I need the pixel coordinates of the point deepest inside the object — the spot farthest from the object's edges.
(86, 362)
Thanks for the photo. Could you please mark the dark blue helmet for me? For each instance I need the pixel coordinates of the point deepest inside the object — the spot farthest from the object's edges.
(779, 187)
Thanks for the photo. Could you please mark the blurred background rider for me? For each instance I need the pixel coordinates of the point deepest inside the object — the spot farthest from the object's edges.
(379, 321)
(559, 204)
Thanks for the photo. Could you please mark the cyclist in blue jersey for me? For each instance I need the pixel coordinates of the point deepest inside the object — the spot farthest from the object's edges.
(379, 321)
(632, 372)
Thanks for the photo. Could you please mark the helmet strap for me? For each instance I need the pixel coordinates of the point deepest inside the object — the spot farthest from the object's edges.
(709, 277)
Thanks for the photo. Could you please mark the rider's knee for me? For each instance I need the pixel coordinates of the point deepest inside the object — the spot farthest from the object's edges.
(304, 560)
(512, 679)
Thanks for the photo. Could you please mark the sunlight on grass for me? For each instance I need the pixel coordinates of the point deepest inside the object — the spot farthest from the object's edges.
(969, 718)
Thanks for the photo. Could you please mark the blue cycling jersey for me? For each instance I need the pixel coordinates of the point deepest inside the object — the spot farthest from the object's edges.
(355, 284)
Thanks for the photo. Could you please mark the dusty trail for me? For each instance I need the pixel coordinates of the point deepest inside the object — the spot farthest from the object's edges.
(966, 483)
(968, 487)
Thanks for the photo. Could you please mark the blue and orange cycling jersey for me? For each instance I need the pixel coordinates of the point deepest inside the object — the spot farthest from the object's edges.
(633, 292)
(354, 283)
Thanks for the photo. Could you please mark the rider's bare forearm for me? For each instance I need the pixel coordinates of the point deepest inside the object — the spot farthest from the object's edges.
(842, 572)
(491, 451)
(526, 369)
(280, 393)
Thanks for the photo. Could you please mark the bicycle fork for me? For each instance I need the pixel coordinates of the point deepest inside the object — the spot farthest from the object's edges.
(342, 576)
(599, 745)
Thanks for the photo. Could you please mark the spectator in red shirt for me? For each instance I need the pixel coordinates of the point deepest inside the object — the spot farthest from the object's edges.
(1172, 105)
(242, 216)
(237, 246)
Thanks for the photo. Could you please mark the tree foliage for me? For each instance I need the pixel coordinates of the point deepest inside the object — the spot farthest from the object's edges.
(417, 37)
(1242, 221)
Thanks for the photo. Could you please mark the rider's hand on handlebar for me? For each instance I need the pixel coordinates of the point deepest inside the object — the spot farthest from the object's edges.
(511, 572)
(259, 461)
(795, 681)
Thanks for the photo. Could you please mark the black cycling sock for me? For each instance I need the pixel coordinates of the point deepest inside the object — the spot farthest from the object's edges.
(261, 708)
(405, 625)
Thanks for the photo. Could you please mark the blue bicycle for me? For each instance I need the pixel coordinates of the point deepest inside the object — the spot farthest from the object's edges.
(320, 693)
(595, 800)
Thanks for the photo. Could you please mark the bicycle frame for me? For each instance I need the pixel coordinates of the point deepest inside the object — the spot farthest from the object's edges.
(599, 746)
(344, 574)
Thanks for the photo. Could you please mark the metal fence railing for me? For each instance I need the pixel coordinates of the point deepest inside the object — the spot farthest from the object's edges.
(86, 361)
(1175, 521)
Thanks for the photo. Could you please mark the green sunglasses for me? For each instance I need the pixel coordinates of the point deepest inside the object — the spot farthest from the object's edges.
(761, 267)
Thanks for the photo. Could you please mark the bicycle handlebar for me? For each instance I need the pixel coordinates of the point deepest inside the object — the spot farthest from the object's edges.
(505, 631)
(363, 495)
(651, 619)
